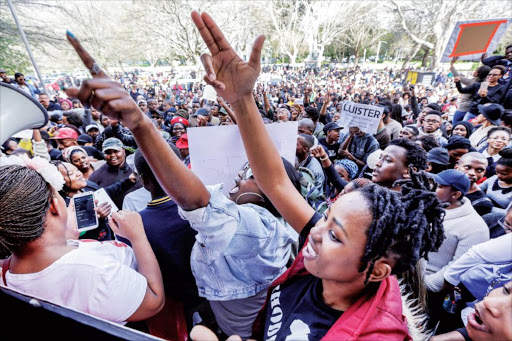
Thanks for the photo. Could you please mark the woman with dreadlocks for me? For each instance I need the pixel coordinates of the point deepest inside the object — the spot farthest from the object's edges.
(105, 279)
(342, 284)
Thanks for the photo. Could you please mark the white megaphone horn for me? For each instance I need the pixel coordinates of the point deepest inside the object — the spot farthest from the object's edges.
(19, 111)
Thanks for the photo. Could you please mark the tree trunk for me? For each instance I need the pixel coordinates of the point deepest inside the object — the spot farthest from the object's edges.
(410, 57)
(425, 58)
(356, 57)
(321, 57)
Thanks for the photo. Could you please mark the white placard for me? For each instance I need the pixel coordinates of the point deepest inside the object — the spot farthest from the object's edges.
(366, 117)
(102, 196)
(217, 153)
(209, 93)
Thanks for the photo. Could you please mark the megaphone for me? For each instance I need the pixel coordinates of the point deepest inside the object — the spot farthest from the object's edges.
(19, 111)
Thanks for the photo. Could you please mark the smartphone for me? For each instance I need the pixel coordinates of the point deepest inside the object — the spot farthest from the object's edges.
(85, 215)
(484, 86)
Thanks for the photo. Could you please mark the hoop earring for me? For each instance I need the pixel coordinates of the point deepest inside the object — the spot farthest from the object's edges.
(246, 193)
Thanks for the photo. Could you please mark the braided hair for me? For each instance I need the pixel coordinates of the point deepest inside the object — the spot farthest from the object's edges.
(25, 198)
(406, 226)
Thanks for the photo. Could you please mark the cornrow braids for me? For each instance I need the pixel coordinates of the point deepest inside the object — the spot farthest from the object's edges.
(24, 201)
(406, 226)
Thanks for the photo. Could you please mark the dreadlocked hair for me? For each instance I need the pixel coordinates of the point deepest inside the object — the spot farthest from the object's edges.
(24, 200)
(406, 226)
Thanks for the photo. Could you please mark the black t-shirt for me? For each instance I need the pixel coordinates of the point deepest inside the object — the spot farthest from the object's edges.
(330, 149)
(297, 311)
(481, 202)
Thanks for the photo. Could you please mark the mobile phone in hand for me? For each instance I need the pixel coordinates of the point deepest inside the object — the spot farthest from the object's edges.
(85, 215)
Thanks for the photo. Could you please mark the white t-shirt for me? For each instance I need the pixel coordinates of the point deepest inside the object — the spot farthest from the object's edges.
(98, 278)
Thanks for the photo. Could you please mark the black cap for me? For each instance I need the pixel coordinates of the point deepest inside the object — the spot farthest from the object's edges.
(492, 112)
(438, 155)
(331, 126)
(84, 138)
(202, 112)
(455, 179)
(456, 142)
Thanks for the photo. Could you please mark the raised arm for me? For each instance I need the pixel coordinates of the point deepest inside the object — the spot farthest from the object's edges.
(234, 80)
(110, 98)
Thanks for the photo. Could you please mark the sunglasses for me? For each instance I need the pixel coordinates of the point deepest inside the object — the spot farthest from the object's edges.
(246, 172)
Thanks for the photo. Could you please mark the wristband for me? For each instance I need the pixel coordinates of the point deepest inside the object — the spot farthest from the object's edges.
(324, 158)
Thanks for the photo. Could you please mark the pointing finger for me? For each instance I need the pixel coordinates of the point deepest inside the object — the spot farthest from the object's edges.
(85, 56)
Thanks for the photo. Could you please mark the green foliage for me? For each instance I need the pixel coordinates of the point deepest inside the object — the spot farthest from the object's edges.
(12, 57)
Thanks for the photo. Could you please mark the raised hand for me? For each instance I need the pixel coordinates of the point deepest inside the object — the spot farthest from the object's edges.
(231, 77)
(107, 96)
(318, 152)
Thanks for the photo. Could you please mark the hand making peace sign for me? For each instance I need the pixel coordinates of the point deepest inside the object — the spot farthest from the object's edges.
(231, 77)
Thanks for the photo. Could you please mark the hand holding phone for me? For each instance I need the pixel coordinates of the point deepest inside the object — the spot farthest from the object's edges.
(126, 224)
(85, 213)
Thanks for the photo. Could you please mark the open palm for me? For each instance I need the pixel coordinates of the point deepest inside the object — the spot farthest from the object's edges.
(231, 77)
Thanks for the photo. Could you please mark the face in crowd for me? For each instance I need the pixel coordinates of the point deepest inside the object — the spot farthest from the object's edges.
(73, 177)
(178, 129)
(492, 316)
(431, 123)
(246, 189)
(44, 100)
(115, 158)
(392, 166)
(80, 161)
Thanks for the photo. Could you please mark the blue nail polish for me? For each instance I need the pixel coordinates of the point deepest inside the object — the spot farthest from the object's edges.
(70, 34)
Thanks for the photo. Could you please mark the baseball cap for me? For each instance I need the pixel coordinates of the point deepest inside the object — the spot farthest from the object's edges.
(112, 143)
(438, 155)
(84, 138)
(91, 126)
(178, 119)
(182, 142)
(222, 111)
(3, 71)
(453, 178)
(65, 133)
(331, 126)
(202, 112)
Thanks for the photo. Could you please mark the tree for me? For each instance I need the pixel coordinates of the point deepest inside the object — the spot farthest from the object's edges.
(430, 22)
(286, 20)
(365, 33)
(324, 22)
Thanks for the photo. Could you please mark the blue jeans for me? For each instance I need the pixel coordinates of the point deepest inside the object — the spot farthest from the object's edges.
(458, 116)
(469, 116)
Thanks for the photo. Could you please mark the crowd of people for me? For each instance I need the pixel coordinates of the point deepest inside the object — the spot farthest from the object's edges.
(401, 234)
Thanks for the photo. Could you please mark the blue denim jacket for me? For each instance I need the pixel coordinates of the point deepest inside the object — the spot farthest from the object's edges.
(239, 250)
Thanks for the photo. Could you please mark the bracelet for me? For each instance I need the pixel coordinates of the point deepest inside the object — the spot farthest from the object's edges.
(324, 158)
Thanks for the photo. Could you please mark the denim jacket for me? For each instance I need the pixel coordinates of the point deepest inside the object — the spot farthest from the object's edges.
(240, 249)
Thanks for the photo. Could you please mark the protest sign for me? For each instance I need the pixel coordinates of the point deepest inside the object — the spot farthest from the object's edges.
(209, 93)
(217, 153)
(470, 39)
(366, 117)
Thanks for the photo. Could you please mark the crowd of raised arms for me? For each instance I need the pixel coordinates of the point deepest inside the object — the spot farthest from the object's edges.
(399, 235)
